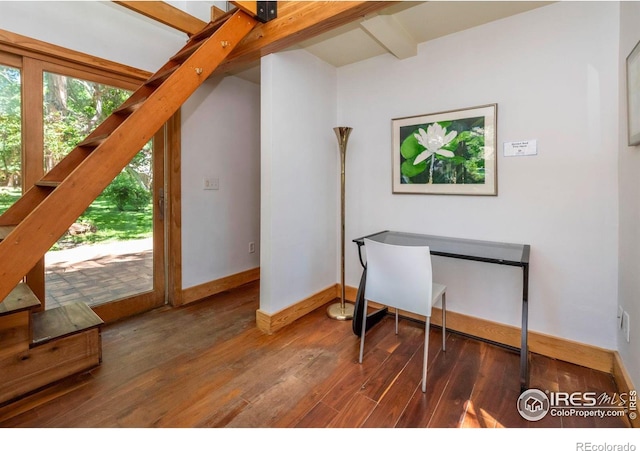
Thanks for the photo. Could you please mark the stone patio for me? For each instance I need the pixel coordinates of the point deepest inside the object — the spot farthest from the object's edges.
(100, 273)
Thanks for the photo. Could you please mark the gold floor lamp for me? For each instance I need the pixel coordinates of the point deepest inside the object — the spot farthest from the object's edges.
(342, 310)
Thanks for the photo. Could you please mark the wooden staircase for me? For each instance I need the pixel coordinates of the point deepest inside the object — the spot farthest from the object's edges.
(39, 347)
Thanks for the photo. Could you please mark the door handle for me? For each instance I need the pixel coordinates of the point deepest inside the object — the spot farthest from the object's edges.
(161, 204)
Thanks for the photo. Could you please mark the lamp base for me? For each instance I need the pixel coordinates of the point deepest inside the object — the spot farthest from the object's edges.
(335, 311)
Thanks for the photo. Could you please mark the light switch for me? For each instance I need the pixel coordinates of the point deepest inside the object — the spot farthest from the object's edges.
(209, 183)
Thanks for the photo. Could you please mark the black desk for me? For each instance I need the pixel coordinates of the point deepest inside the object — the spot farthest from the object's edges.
(481, 251)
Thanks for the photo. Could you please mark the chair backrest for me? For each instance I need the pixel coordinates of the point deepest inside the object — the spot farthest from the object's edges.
(399, 276)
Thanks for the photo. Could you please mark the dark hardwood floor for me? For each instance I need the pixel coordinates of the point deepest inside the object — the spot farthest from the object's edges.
(207, 365)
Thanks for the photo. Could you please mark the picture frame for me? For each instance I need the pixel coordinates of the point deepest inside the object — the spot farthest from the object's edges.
(451, 152)
(633, 96)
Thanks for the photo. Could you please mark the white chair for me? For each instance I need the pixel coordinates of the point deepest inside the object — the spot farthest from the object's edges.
(401, 277)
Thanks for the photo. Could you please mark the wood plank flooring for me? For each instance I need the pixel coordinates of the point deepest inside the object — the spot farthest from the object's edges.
(207, 365)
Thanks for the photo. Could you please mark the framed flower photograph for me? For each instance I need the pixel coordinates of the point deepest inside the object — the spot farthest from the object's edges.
(633, 95)
(452, 152)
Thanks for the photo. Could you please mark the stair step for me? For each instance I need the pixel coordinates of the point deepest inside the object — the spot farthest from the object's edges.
(47, 183)
(21, 298)
(204, 33)
(63, 321)
(5, 230)
(185, 53)
(212, 27)
(94, 141)
(128, 108)
(159, 77)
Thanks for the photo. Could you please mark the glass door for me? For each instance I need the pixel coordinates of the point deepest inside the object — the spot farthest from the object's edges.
(112, 257)
(10, 131)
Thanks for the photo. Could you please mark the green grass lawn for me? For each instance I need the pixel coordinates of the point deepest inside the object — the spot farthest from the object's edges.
(7, 197)
(111, 224)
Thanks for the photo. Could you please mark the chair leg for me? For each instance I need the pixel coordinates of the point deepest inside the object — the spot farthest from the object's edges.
(396, 321)
(444, 321)
(364, 328)
(426, 355)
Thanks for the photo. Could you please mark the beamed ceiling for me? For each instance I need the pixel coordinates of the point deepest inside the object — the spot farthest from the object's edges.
(395, 27)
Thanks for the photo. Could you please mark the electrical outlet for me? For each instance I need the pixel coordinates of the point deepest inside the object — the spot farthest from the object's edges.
(620, 312)
(252, 247)
(626, 326)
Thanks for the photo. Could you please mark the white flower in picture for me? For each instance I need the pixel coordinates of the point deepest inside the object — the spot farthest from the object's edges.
(433, 140)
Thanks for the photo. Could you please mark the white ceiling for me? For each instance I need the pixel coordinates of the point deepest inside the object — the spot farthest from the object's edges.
(401, 27)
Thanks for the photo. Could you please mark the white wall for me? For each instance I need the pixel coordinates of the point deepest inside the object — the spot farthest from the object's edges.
(300, 177)
(629, 167)
(220, 139)
(553, 74)
(103, 29)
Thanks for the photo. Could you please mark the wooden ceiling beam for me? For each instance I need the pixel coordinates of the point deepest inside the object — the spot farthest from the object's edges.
(297, 21)
(166, 14)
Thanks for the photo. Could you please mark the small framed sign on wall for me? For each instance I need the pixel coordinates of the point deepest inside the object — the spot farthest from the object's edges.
(452, 152)
(633, 95)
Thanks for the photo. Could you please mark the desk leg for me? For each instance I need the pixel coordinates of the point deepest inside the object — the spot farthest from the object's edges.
(524, 349)
(372, 318)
